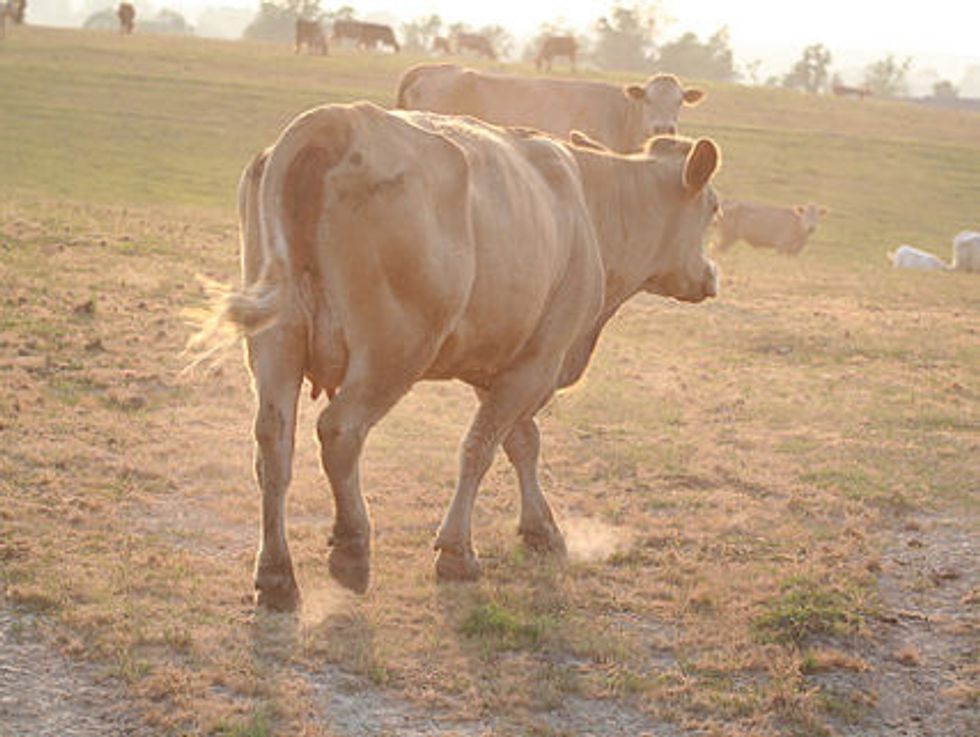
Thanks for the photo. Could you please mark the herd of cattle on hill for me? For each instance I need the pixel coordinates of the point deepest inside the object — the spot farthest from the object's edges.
(500, 222)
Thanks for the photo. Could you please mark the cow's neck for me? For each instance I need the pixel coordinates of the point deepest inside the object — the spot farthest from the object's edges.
(631, 206)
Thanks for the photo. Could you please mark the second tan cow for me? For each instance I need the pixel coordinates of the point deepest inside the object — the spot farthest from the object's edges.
(784, 229)
(385, 248)
(622, 118)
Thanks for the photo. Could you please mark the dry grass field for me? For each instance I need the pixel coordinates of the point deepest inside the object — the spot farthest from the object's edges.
(770, 499)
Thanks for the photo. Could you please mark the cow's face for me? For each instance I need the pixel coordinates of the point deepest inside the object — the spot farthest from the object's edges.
(684, 271)
(809, 217)
(661, 99)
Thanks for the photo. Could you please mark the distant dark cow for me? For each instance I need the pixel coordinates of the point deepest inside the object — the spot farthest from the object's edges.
(17, 10)
(842, 90)
(554, 46)
(310, 33)
(365, 35)
(440, 45)
(127, 17)
(476, 43)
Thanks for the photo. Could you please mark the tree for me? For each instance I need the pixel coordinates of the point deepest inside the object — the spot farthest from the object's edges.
(420, 33)
(626, 40)
(945, 90)
(276, 19)
(688, 57)
(810, 72)
(888, 77)
(500, 40)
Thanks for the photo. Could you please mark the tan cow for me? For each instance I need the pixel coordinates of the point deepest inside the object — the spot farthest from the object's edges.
(785, 229)
(385, 248)
(555, 46)
(620, 117)
(309, 33)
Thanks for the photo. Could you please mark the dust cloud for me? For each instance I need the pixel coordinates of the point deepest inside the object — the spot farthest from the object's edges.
(589, 540)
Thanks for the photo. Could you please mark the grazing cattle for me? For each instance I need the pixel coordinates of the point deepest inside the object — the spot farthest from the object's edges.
(310, 34)
(966, 251)
(622, 118)
(440, 45)
(909, 257)
(126, 13)
(385, 248)
(843, 90)
(554, 46)
(365, 35)
(785, 229)
(475, 42)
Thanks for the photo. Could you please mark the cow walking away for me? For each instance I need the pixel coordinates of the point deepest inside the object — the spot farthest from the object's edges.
(385, 248)
(309, 33)
(367, 36)
(556, 46)
(621, 118)
(476, 43)
(785, 229)
(126, 13)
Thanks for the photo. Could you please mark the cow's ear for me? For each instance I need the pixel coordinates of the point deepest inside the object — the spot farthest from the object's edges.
(701, 164)
(581, 140)
(824, 210)
(635, 91)
(799, 209)
(693, 96)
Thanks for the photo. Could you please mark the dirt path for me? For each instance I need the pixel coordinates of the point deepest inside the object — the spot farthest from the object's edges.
(921, 677)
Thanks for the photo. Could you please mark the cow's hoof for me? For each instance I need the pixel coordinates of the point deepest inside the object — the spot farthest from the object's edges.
(454, 566)
(277, 592)
(350, 565)
(544, 539)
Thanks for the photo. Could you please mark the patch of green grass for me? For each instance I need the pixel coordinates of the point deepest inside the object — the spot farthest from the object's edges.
(500, 628)
(257, 725)
(804, 608)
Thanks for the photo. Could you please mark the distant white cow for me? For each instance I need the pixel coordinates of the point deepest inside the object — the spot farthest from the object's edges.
(910, 257)
(966, 251)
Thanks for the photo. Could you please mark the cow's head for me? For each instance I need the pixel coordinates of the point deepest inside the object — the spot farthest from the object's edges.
(661, 98)
(683, 270)
(809, 216)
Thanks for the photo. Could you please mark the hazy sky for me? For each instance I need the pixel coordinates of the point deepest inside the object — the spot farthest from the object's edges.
(855, 31)
(938, 26)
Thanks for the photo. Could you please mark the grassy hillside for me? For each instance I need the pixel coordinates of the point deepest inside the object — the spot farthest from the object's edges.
(755, 490)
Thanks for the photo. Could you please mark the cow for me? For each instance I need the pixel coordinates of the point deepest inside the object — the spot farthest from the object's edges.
(553, 46)
(843, 90)
(126, 13)
(365, 35)
(440, 45)
(622, 118)
(966, 251)
(785, 229)
(475, 42)
(310, 34)
(382, 248)
(909, 257)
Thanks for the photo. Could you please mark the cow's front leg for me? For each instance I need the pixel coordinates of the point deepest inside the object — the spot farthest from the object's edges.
(537, 525)
(277, 384)
(515, 396)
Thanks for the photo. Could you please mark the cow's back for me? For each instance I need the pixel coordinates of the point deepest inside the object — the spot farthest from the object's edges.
(550, 105)
(762, 225)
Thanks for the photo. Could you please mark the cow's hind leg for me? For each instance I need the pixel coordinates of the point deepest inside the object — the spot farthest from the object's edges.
(275, 359)
(514, 397)
(537, 525)
(342, 429)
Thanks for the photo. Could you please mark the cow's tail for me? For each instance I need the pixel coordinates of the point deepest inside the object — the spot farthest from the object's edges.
(320, 136)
